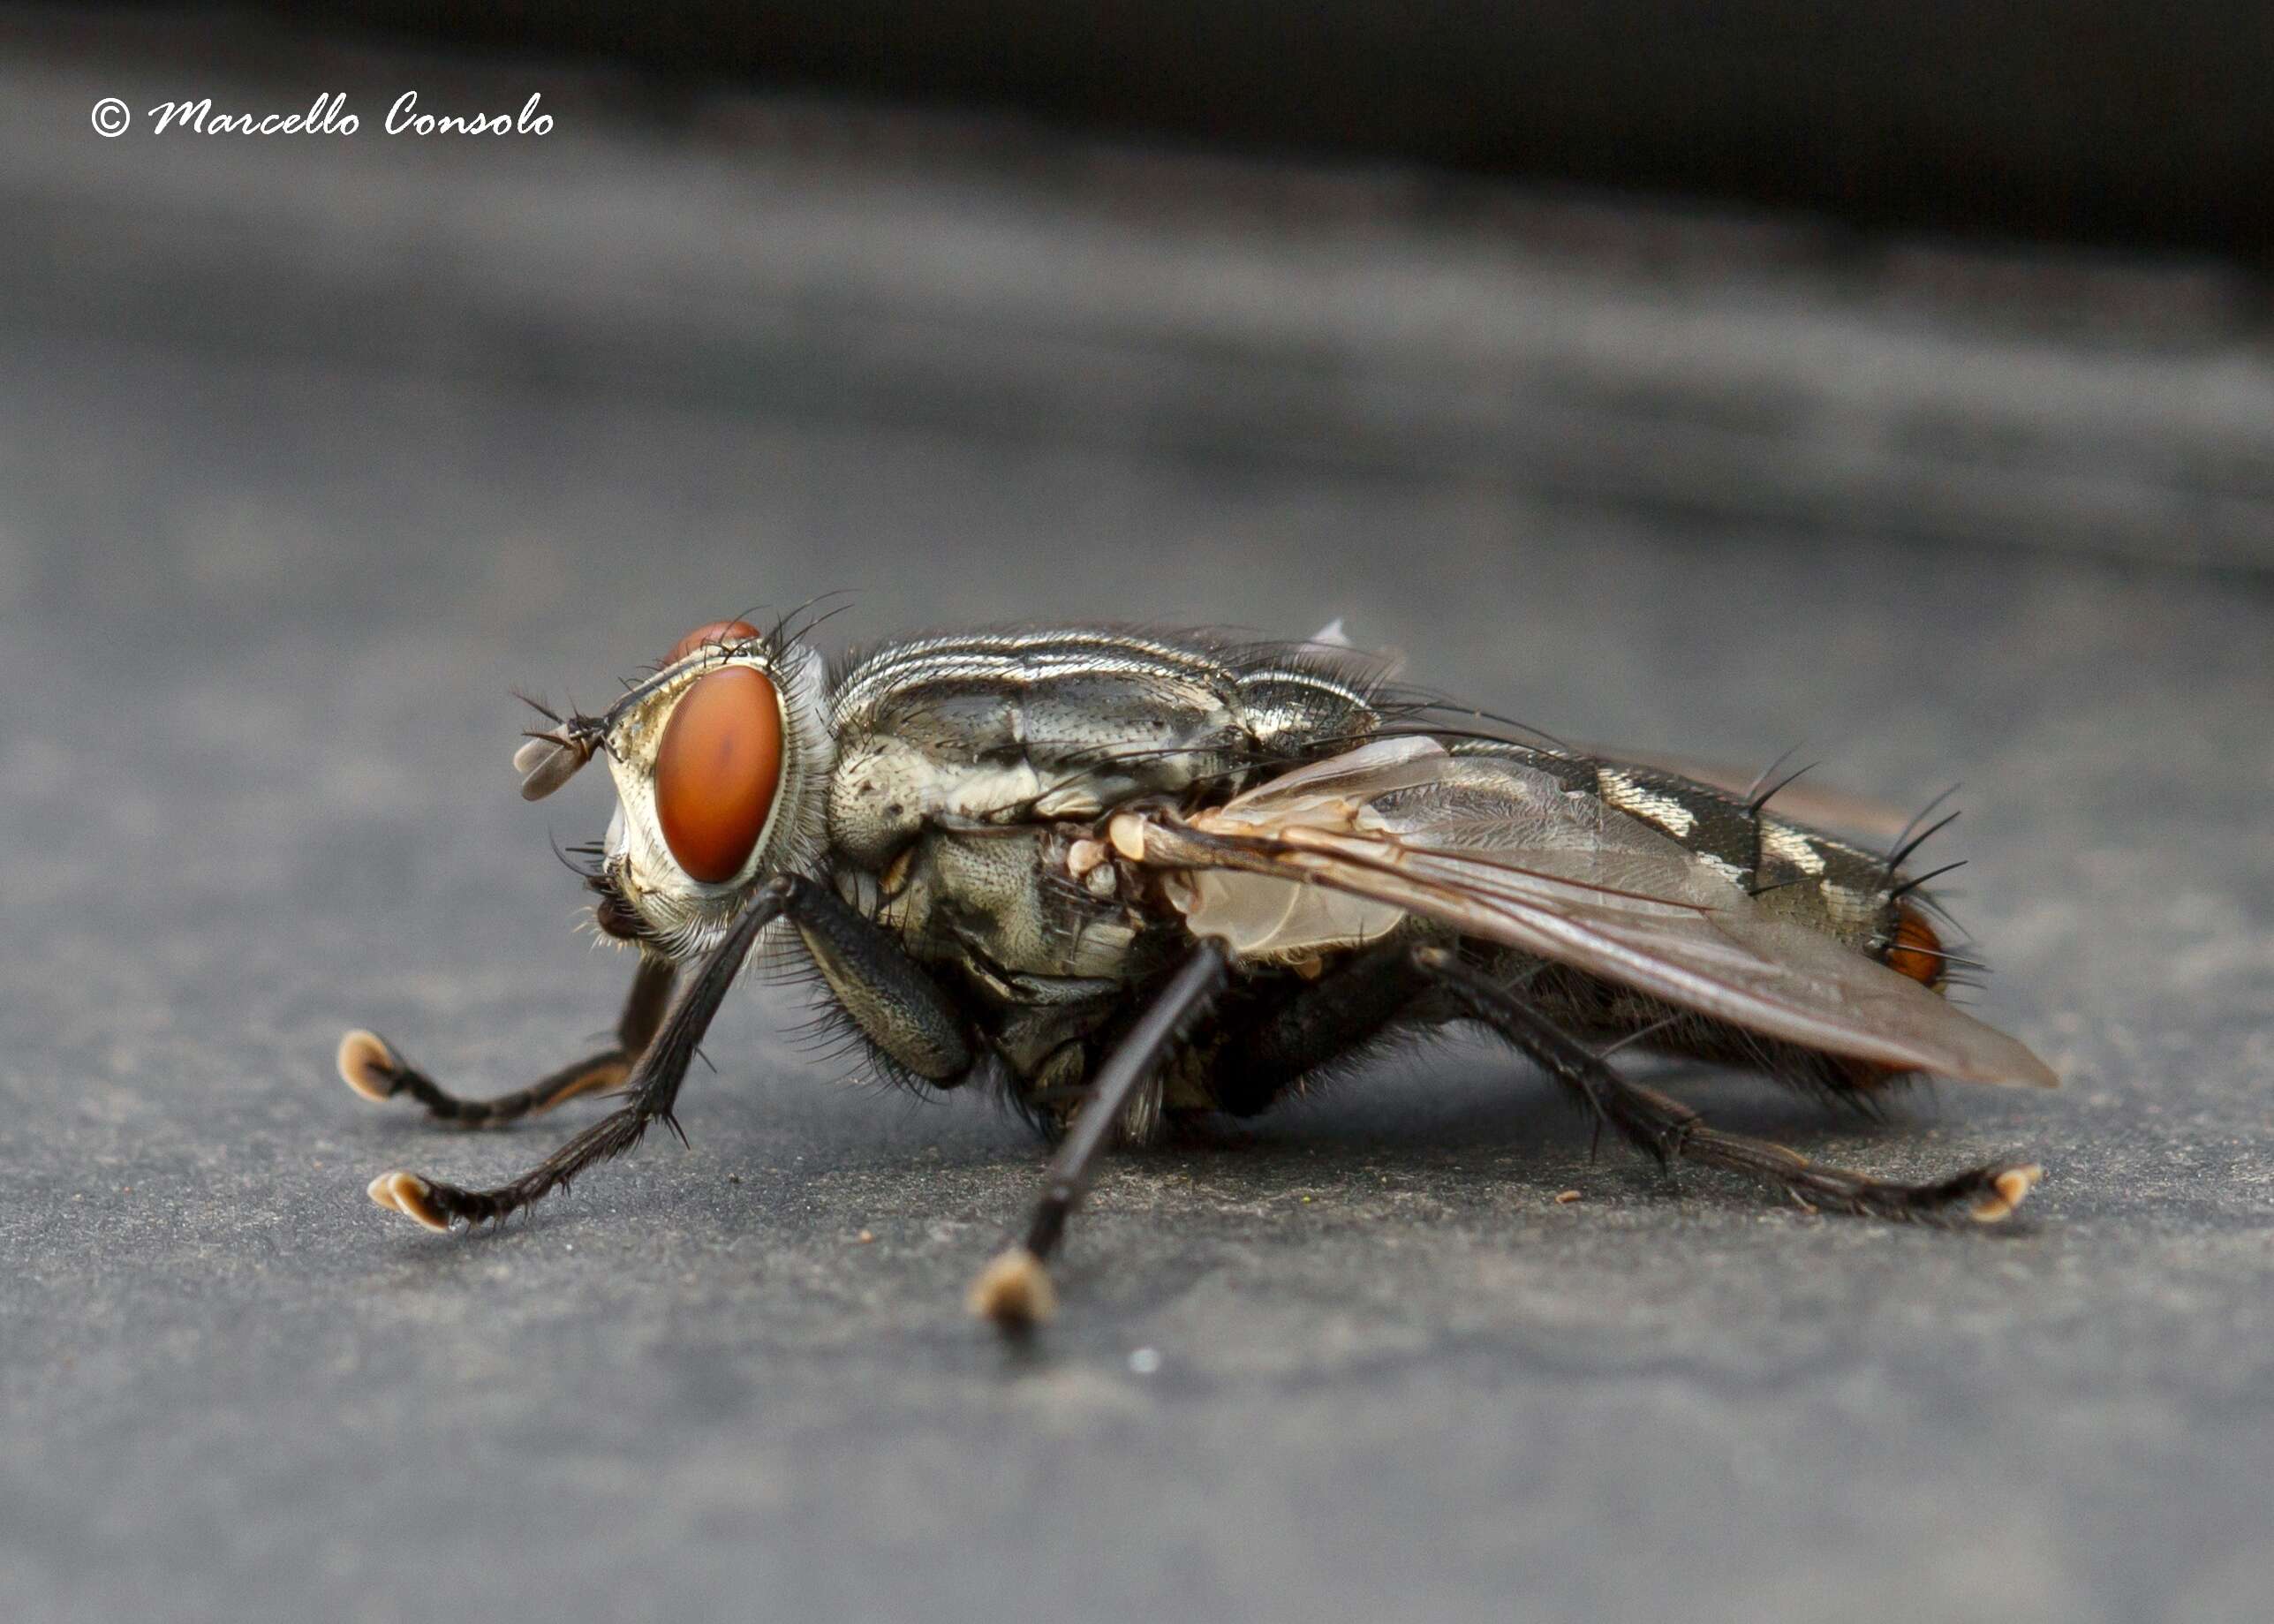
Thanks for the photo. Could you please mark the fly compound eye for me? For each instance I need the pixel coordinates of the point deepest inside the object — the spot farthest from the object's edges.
(718, 769)
(716, 632)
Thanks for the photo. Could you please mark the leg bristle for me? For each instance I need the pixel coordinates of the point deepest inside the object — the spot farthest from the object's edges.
(409, 1195)
(1014, 1290)
(2011, 1187)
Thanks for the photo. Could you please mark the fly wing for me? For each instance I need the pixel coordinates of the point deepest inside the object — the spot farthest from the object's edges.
(1339, 852)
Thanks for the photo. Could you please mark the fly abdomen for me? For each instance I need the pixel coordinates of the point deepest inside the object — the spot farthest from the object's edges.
(1793, 873)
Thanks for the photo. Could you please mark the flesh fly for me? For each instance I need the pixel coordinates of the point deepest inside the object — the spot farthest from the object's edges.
(1121, 879)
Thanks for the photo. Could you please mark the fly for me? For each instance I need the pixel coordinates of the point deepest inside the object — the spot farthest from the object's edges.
(1118, 879)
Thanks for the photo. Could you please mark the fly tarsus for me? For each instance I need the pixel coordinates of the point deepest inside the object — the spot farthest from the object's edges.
(1987, 1194)
(439, 1205)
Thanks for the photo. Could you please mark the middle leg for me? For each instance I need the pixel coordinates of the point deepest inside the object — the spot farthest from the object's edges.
(1014, 1290)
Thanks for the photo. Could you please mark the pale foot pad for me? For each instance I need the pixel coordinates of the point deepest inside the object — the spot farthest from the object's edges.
(368, 1065)
(2012, 1188)
(1014, 1290)
(409, 1195)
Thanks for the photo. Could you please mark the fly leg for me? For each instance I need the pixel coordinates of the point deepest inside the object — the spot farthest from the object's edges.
(654, 1085)
(373, 1069)
(912, 1020)
(894, 1001)
(1014, 1290)
(1668, 1130)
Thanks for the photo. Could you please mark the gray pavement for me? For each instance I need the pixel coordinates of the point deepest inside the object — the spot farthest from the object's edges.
(282, 517)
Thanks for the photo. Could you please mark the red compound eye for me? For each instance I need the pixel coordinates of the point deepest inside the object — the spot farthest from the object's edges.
(718, 770)
(716, 632)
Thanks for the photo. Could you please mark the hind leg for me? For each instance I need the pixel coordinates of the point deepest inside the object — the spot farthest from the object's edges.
(1668, 1131)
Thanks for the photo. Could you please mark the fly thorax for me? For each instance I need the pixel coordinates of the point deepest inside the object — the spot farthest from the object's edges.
(1001, 898)
(887, 789)
(879, 797)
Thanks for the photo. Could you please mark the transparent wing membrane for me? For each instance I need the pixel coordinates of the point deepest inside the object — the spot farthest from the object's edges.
(1337, 853)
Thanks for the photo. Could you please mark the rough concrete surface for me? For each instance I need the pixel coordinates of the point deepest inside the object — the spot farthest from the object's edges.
(263, 602)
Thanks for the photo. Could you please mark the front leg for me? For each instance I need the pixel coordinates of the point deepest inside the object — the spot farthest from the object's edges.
(370, 1065)
(653, 1083)
(892, 999)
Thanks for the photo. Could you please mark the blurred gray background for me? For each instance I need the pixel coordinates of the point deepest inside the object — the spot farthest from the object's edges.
(312, 448)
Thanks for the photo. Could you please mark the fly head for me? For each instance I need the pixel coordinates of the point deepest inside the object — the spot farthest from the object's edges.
(720, 760)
